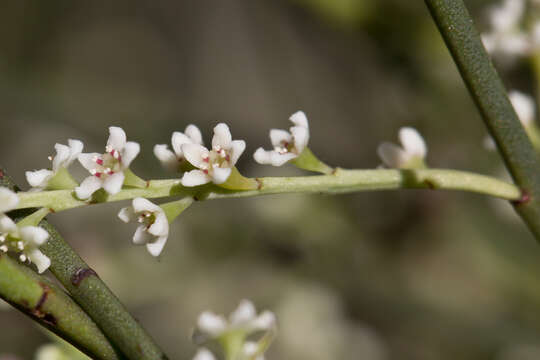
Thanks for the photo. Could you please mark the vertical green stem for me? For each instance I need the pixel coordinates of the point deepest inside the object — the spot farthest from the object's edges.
(489, 94)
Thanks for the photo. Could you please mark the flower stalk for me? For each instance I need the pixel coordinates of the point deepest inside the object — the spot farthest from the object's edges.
(341, 181)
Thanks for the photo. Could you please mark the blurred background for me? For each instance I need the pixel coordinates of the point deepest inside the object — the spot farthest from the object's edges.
(373, 276)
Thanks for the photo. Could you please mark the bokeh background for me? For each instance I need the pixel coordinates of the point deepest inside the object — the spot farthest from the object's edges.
(373, 276)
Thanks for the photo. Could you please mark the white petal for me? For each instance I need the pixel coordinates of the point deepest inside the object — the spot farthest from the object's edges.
(265, 321)
(278, 137)
(131, 150)
(250, 348)
(222, 137)
(262, 156)
(113, 183)
(490, 42)
(75, 148)
(524, 106)
(195, 178)
(166, 156)
(8, 199)
(211, 323)
(141, 236)
(301, 137)
(155, 248)
(194, 134)
(7, 225)
(204, 354)
(299, 119)
(244, 313)
(117, 138)
(194, 153)
(160, 227)
(237, 148)
(142, 204)
(88, 161)
(178, 139)
(38, 178)
(489, 143)
(89, 185)
(220, 175)
(41, 260)
(62, 156)
(277, 159)
(127, 214)
(392, 155)
(34, 235)
(412, 142)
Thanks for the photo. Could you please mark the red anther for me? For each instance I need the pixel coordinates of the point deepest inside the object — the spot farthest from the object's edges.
(205, 171)
(98, 174)
(206, 159)
(99, 161)
(228, 158)
(110, 172)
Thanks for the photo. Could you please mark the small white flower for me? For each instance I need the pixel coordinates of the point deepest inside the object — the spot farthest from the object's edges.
(25, 240)
(204, 354)
(505, 36)
(153, 230)
(65, 155)
(288, 145)
(213, 165)
(171, 160)
(244, 318)
(412, 150)
(107, 169)
(250, 349)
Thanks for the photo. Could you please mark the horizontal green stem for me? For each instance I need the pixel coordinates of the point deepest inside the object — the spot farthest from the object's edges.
(341, 181)
(46, 303)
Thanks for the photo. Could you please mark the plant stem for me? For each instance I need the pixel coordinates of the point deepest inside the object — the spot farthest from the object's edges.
(489, 94)
(47, 304)
(341, 181)
(91, 293)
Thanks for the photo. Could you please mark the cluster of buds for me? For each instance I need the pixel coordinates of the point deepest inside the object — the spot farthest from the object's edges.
(22, 240)
(243, 336)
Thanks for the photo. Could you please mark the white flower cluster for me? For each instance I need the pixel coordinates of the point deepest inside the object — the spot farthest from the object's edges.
(24, 240)
(233, 333)
(507, 35)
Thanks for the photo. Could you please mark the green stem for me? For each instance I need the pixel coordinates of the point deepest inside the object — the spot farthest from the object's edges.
(489, 94)
(47, 304)
(91, 293)
(341, 181)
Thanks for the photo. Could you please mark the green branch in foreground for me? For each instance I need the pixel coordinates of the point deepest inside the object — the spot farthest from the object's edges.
(489, 94)
(341, 181)
(47, 304)
(92, 294)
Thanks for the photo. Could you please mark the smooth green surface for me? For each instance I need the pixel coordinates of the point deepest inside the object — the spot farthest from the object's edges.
(341, 181)
(489, 94)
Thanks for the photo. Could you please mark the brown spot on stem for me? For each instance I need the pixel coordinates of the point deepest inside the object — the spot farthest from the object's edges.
(82, 274)
(430, 184)
(1, 173)
(334, 171)
(147, 183)
(525, 198)
(52, 210)
(259, 183)
(43, 298)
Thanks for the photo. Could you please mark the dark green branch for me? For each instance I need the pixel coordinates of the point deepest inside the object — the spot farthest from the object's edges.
(489, 94)
(91, 293)
(47, 304)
